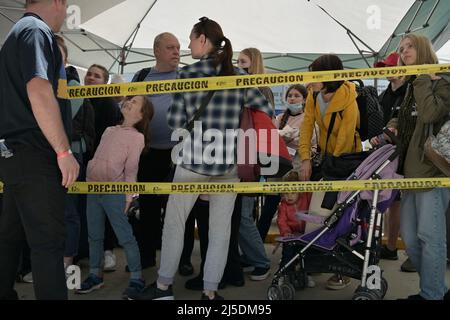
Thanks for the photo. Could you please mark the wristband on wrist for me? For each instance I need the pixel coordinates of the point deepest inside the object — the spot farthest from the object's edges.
(63, 154)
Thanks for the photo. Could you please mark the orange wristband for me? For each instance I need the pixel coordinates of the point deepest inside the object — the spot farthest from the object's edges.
(63, 154)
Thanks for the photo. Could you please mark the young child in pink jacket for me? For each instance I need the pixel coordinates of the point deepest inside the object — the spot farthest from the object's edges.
(117, 160)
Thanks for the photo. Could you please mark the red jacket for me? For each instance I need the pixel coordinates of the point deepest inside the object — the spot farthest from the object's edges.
(268, 142)
(287, 220)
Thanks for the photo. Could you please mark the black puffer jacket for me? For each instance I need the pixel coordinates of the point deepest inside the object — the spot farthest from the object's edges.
(83, 122)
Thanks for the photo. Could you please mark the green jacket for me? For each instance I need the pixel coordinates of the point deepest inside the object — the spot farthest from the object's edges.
(433, 108)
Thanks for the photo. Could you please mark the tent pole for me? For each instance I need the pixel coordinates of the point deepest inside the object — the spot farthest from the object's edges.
(7, 18)
(132, 37)
(431, 13)
(408, 30)
(359, 50)
(348, 30)
(352, 35)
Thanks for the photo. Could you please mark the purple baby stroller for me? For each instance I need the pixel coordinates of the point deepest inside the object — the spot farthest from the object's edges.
(349, 240)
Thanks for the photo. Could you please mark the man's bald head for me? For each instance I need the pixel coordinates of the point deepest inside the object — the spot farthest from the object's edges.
(167, 52)
(161, 37)
(53, 12)
(32, 2)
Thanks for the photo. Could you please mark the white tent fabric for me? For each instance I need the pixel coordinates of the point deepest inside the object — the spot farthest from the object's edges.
(444, 53)
(282, 26)
(290, 33)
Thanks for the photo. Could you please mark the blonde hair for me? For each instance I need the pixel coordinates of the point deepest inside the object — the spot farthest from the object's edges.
(424, 49)
(256, 60)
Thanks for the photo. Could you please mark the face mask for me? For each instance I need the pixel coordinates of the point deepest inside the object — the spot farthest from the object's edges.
(294, 108)
(246, 70)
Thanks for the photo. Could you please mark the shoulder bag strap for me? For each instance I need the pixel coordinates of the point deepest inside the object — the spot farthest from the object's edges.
(200, 110)
(330, 129)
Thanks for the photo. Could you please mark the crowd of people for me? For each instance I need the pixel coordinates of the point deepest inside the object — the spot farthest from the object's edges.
(49, 143)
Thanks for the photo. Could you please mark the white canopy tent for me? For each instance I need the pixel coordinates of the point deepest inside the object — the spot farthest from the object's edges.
(291, 33)
(444, 53)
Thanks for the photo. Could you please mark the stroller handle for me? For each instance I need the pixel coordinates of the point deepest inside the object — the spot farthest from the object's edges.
(395, 141)
(392, 136)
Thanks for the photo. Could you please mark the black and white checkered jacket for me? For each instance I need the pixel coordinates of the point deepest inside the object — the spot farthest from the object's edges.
(222, 113)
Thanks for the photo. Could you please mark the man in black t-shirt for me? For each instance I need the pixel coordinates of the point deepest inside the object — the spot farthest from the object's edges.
(36, 164)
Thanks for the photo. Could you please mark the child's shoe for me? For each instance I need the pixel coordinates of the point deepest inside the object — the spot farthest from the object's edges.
(135, 286)
(92, 283)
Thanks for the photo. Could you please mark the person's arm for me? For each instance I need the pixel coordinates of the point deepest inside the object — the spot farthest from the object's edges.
(432, 105)
(306, 133)
(46, 111)
(307, 129)
(132, 164)
(37, 61)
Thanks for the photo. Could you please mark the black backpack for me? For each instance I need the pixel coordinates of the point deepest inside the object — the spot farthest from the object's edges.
(370, 112)
(142, 74)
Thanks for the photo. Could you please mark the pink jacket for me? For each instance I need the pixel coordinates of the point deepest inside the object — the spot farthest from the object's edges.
(117, 156)
(287, 220)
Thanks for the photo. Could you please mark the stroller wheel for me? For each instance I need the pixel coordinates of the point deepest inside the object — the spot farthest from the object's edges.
(274, 293)
(384, 287)
(366, 294)
(288, 291)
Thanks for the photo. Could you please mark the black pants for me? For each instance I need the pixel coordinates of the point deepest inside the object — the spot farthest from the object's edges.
(200, 212)
(268, 211)
(33, 208)
(154, 166)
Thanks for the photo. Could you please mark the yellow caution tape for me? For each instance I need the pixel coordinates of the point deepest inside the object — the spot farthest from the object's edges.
(247, 81)
(254, 187)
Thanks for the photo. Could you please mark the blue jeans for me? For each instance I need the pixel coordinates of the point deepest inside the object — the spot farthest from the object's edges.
(113, 206)
(249, 238)
(423, 229)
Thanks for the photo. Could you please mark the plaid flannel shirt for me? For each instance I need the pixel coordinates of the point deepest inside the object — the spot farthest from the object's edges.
(222, 113)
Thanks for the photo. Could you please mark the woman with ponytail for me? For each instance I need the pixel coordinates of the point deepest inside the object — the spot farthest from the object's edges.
(196, 162)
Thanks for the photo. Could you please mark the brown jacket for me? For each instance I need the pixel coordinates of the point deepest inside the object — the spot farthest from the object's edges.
(433, 108)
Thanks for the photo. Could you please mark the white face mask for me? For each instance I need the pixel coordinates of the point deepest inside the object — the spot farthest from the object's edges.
(295, 108)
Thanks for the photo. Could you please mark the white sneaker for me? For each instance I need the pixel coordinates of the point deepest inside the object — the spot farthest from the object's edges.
(110, 261)
(28, 278)
(310, 282)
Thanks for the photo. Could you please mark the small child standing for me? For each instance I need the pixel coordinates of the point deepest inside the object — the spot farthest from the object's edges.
(287, 220)
(117, 160)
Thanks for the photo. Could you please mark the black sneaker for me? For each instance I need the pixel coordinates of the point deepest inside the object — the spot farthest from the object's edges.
(408, 266)
(196, 283)
(152, 293)
(260, 274)
(186, 269)
(216, 297)
(135, 286)
(387, 254)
